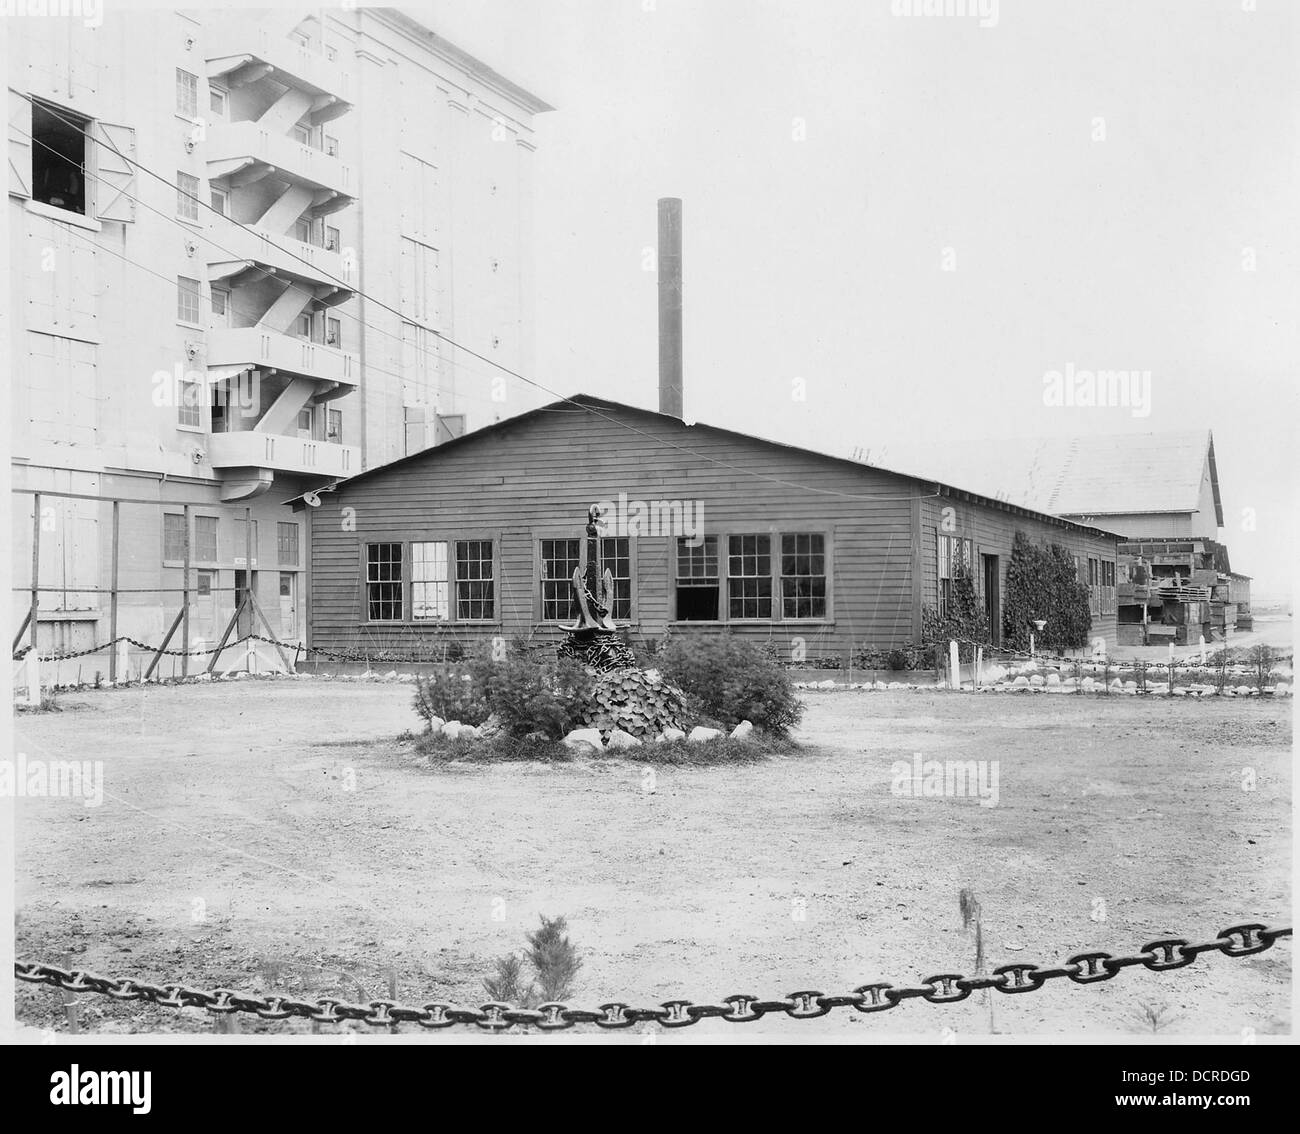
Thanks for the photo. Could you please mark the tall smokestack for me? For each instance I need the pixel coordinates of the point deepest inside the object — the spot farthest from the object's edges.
(670, 306)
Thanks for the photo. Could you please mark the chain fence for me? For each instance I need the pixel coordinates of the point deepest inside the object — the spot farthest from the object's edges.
(1162, 955)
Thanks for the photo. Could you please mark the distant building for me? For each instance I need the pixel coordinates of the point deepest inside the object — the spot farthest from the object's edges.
(237, 237)
(478, 539)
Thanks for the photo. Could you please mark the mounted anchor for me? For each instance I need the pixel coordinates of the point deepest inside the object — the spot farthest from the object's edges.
(594, 639)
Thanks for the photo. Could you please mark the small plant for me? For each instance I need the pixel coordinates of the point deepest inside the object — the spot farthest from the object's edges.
(642, 704)
(1154, 1017)
(538, 696)
(1261, 657)
(554, 960)
(972, 917)
(452, 693)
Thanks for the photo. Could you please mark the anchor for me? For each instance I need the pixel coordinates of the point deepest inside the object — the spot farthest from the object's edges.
(593, 639)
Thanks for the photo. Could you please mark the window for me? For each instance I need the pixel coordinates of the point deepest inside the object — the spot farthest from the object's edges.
(220, 201)
(302, 134)
(286, 542)
(803, 576)
(331, 146)
(302, 326)
(335, 432)
(955, 557)
(241, 542)
(59, 158)
(189, 403)
(429, 582)
(187, 196)
(475, 598)
(173, 536)
(560, 558)
(697, 580)
(331, 53)
(187, 94)
(384, 581)
(305, 417)
(187, 300)
(217, 101)
(418, 281)
(205, 539)
(334, 332)
(203, 583)
(220, 306)
(302, 231)
(616, 557)
(749, 576)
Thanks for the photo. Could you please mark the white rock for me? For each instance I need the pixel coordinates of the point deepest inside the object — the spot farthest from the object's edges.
(827, 684)
(1178, 691)
(469, 732)
(1282, 689)
(699, 734)
(583, 736)
(1036, 679)
(1021, 682)
(620, 739)
(1053, 679)
(994, 673)
(436, 723)
(742, 730)
(670, 734)
(391, 675)
(451, 729)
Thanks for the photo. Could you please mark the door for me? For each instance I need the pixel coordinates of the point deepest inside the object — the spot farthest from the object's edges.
(992, 598)
(245, 625)
(288, 604)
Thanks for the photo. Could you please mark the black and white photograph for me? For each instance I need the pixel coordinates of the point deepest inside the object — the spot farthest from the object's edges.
(650, 522)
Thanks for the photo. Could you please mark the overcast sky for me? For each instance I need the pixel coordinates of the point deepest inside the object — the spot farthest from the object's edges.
(1096, 173)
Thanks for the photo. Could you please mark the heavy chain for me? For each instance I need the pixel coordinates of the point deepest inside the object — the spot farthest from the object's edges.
(942, 988)
(135, 642)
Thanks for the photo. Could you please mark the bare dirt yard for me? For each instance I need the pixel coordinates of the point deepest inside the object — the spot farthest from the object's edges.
(276, 836)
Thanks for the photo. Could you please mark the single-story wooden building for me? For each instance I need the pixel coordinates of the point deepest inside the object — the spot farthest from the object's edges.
(706, 529)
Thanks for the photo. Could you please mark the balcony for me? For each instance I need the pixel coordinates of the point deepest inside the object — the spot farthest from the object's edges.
(234, 146)
(253, 450)
(237, 247)
(257, 348)
(237, 53)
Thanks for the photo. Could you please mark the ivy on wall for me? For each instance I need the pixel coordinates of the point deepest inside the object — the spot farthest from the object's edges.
(1043, 584)
(964, 620)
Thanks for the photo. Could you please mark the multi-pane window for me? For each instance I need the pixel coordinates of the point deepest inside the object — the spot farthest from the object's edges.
(616, 558)
(803, 575)
(187, 196)
(205, 539)
(286, 543)
(955, 558)
(173, 536)
(475, 596)
(429, 581)
(203, 583)
(559, 559)
(187, 93)
(334, 432)
(220, 200)
(749, 576)
(384, 581)
(189, 402)
(697, 579)
(217, 101)
(187, 299)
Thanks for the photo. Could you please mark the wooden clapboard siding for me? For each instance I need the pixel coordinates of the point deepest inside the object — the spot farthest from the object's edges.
(537, 475)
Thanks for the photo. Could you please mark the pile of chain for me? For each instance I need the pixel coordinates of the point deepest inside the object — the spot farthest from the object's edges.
(943, 988)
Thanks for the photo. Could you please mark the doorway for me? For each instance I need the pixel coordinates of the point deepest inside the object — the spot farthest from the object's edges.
(992, 598)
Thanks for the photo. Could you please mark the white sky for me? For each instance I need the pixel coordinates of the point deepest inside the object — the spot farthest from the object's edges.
(821, 259)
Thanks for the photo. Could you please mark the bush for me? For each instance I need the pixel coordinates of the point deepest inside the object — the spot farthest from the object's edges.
(640, 703)
(453, 693)
(1042, 584)
(730, 680)
(545, 696)
(964, 621)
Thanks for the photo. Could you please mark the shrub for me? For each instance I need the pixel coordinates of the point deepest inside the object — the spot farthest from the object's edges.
(545, 696)
(452, 693)
(1042, 584)
(554, 960)
(730, 680)
(640, 703)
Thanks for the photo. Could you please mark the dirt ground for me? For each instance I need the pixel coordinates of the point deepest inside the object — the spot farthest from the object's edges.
(275, 835)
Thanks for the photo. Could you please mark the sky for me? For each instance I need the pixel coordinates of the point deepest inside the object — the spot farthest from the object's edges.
(895, 226)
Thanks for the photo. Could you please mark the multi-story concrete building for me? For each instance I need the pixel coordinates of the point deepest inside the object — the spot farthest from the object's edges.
(240, 241)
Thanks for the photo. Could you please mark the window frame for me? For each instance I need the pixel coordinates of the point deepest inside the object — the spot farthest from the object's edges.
(182, 293)
(969, 552)
(773, 597)
(184, 535)
(187, 201)
(445, 582)
(183, 407)
(405, 540)
(192, 113)
(196, 549)
(280, 527)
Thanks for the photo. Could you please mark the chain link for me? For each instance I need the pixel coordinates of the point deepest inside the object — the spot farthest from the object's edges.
(944, 988)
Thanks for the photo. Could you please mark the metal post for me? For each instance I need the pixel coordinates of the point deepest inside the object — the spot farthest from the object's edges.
(36, 564)
(248, 560)
(185, 600)
(112, 602)
(670, 306)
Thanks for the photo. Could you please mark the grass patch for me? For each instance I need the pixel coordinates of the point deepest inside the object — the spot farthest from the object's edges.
(757, 746)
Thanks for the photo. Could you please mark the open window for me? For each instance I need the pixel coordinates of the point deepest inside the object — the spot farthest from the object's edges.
(59, 158)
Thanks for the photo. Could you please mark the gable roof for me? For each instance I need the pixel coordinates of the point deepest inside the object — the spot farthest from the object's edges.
(1103, 475)
(602, 406)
